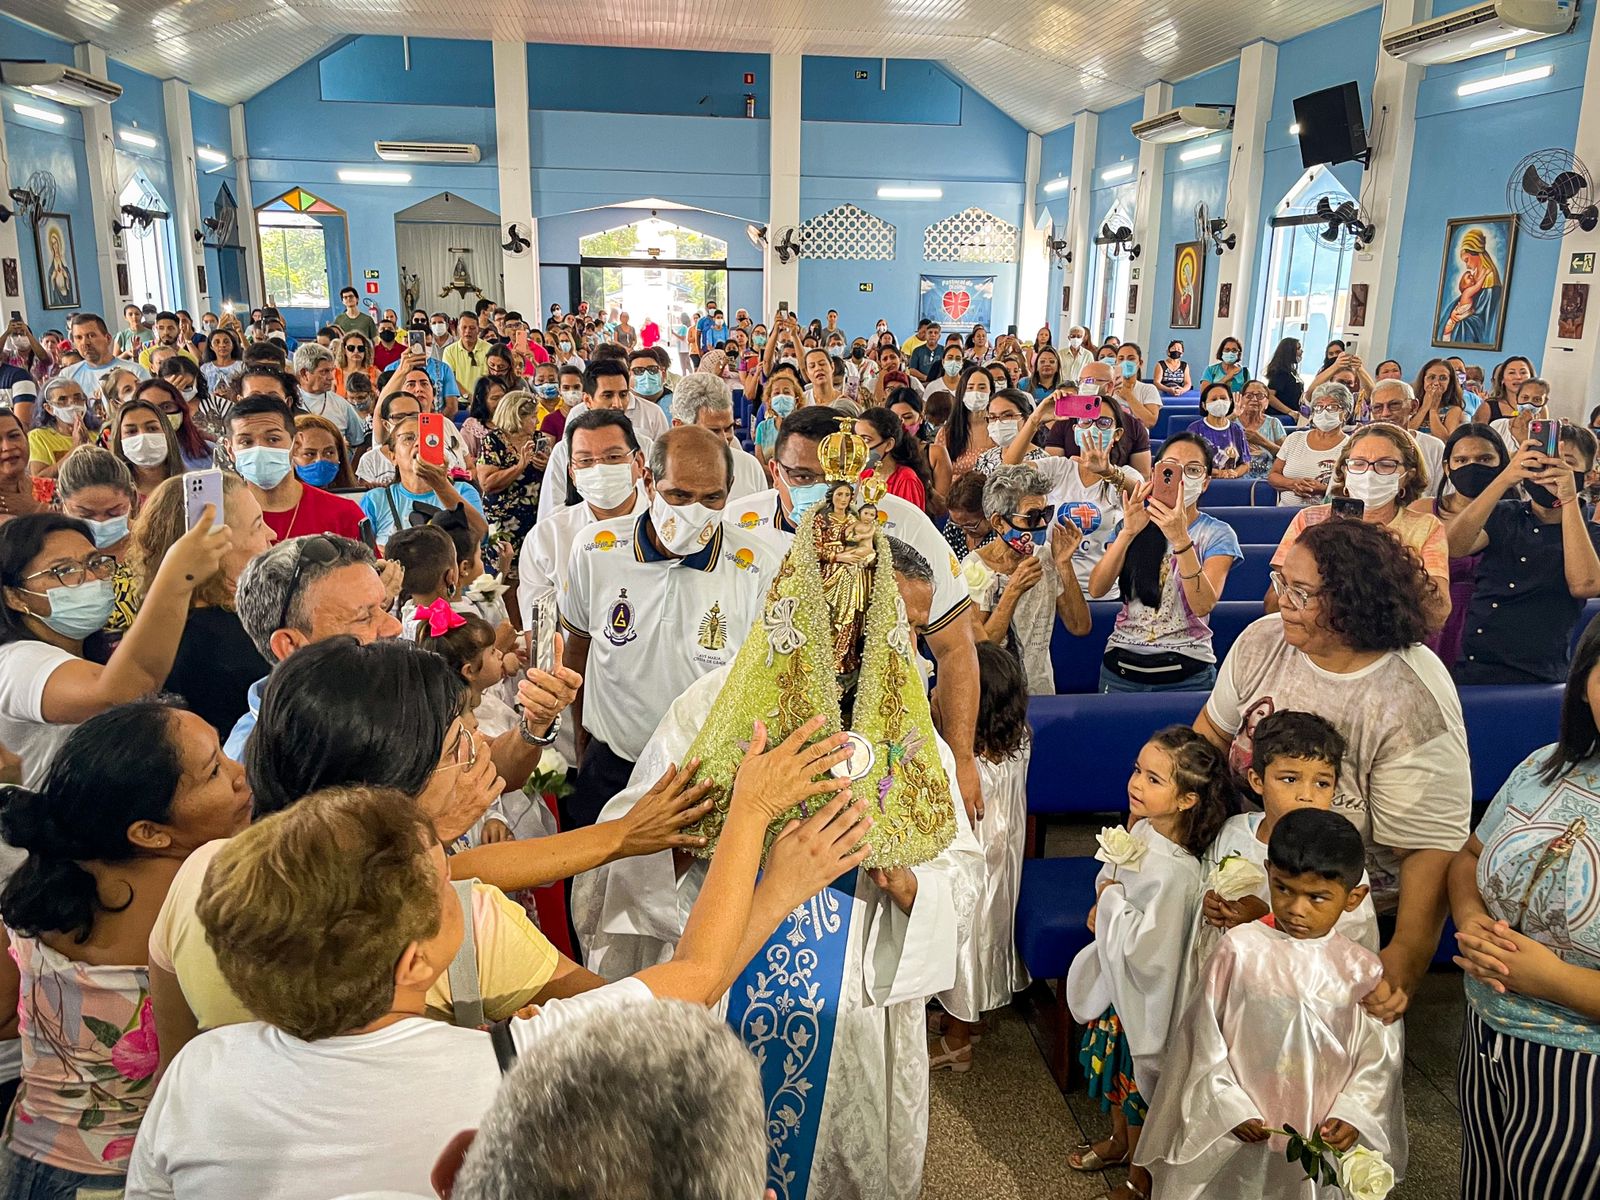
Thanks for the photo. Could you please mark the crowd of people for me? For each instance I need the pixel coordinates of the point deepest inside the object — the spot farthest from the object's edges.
(531, 693)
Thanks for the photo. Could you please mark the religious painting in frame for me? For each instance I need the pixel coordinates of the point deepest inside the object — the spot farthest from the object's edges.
(1358, 306)
(1188, 278)
(58, 272)
(1475, 282)
(1224, 301)
(1574, 311)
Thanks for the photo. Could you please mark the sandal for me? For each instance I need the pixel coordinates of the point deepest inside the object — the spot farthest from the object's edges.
(942, 1058)
(1086, 1158)
(936, 1025)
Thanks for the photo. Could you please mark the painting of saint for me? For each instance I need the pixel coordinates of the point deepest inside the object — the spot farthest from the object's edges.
(1187, 279)
(58, 276)
(1474, 281)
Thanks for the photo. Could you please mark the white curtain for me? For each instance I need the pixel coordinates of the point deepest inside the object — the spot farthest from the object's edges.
(425, 249)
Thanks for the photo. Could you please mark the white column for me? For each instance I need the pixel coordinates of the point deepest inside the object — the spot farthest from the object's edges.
(1258, 70)
(10, 242)
(1147, 217)
(1033, 271)
(1572, 365)
(1080, 221)
(185, 196)
(1385, 183)
(249, 233)
(781, 281)
(100, 147)
(513, 153)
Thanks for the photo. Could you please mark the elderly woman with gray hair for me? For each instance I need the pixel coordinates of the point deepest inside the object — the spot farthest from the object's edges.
(1023, 580)
(1306, 457)
(705, 399)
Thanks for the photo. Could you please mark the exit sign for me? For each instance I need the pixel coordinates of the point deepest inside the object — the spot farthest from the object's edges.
(863, 287)
(861, 75)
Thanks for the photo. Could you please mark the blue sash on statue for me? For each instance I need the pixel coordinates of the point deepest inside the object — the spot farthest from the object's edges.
(784, 1007)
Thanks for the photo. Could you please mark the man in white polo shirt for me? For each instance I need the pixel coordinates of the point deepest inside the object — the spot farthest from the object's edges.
(707, 401)
(797, 470)
(653, 601)
(606, 384)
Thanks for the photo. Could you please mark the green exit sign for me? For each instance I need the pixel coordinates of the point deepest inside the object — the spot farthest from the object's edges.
(863, 287)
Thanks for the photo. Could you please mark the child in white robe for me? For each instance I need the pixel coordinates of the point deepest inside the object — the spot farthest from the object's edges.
(989, 971)
(1123, 987)
(1275, 1036)
(1294, 764)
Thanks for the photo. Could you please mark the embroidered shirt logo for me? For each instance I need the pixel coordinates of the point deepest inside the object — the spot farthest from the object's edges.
(619, 621)
(604, 540)
(744, 559)
(749, 520)
(713, 629)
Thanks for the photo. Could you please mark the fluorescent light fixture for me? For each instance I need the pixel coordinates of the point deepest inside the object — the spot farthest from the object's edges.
(207, 154)
(353, 176)
(910, 193)
(1120, 171)
(1507, 80)
(1294, 130)
(1057, 185)
(38, 114)
(1199, 152)
(134, 138)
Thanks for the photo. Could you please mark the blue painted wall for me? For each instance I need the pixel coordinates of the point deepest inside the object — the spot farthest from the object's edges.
(681, 83)
(444, 71)
(211, 131)
(1055, 162)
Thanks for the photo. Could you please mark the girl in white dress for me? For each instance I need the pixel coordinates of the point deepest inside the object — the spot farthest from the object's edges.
(1123, 987)
(989, 970)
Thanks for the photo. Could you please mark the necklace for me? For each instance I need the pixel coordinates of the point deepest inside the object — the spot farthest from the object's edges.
(288, 531)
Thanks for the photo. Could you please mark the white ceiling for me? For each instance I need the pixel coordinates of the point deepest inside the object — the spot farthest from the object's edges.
(1040, 60)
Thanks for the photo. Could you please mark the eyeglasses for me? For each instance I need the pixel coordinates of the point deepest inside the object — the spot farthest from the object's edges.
(98, 566)
(1292, 595)
(1327, 408)
(1383, 466)
(1034, 518)
(354, 346)
(611, 458)
(462, 750)
(319, 549)
(1101, 422)
(1190, 470)
(800, 478)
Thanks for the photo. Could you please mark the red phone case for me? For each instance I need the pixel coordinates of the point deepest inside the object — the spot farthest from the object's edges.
(1169, 486)
(430, 438)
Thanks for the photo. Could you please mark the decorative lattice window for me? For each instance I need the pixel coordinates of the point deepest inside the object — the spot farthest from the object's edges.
(847, 232)
(971, 235)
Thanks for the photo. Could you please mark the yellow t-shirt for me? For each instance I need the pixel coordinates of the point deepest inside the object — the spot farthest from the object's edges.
(515, 960)
(1422, 533)
(186, 350)
(47, 445)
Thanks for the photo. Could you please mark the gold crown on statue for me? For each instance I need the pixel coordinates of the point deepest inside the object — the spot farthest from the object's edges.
(843, 454)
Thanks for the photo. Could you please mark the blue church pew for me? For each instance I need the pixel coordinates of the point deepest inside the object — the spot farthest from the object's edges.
(1259, 525)
(1077, 660)
(1233, 493)
(1248, 579)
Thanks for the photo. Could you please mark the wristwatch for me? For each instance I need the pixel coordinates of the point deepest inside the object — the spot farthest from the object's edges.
(534, 739)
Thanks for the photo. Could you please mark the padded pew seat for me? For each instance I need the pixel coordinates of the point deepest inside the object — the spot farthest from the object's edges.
(1077, 660)
(1253, 525)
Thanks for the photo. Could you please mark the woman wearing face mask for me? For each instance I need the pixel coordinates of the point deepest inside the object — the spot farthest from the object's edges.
(319, 453)
(55, 599)
(1306, 456)
(966, 434)
(1264, 434)
(224, 360)
(566, 351)
(141, 437)
(501, 363)
(353, 356)
(906, 403)
(62, 426)
(1172, 372)
(1229, 367)
(486, 397)
(1142, 399)
(967, 529)
(1472, 459)
(899, 460)
(1009, 413)
(950, 365)
(216, 661)
(784, 393)
(1230, 448)
(1532, 403)
(1000, 373)
(1382, 468)
(20, 492)
(1170, 566)
(205, 410)
(95, 487)
(1283, 382)
(80, 911)
(1440, 406)
(192, 444)
(1080, 351)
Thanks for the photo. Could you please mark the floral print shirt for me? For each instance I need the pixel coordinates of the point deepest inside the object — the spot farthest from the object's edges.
(88, 1060)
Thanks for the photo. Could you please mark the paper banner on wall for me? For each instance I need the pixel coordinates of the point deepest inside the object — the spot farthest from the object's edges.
(957, 302)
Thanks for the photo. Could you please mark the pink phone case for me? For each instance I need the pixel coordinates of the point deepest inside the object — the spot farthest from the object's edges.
(1078, 408)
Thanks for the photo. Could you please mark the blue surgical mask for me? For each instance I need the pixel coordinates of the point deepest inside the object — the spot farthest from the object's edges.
(77, 612)
(1129, 368)
(803, 497)
(1230, 357)
(263, 466)
(783, 405)
(648, 384)
(760, 340)
(318, 474)
(546, 391)
(108, 533)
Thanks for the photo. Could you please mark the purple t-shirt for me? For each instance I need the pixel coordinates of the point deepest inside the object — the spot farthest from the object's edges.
(1229, 446)
(1135, 439)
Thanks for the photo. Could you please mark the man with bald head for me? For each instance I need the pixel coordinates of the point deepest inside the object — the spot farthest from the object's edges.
(1394, 401)
(654, 600)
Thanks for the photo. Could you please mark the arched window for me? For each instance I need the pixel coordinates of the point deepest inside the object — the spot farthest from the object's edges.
(1307, 281)
(149, 247)
(1113, 272)
(303, 248)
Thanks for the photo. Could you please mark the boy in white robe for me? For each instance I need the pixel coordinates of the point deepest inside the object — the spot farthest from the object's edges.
(1275, 1036)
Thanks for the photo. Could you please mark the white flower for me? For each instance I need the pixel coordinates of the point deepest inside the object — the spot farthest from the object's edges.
(486, 587)
(1364, 1174)
(975, 573)
(1119, 847)
(1236, 877)
(552, 762)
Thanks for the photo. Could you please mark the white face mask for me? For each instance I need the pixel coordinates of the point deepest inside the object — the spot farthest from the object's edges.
(1004, 432)
(604, 485)
(1218, 408)
(69, 414)
(1372, 489)
(573, 397)
(145, 449)
(1327, 421)
(439, 328)
(683, 529)
(975, 400)
(1074, 342)
(1191, 490)
(952, 367)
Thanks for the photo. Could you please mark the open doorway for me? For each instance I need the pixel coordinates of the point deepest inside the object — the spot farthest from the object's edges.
(449, 252)
(653, 270)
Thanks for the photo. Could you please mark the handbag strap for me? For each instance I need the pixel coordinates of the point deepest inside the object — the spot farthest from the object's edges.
(466, 993)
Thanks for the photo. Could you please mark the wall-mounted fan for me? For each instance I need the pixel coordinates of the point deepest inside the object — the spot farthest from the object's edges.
(515, 243)
(1344, 224)
(37, 198)
(1209, 228)
(1059, 249)
(1552, 194)
(144, 218)
(1119, 239)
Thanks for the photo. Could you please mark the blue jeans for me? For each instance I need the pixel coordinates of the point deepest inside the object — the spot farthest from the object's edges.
(26, 1179)
(1202, 682)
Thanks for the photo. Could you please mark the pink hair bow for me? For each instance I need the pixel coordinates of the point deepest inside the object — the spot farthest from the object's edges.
(441, 618)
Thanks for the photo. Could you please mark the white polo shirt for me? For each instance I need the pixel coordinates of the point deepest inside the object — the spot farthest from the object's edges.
(749, 477)
(763, 515)
(656, 624)
(546, 554)
(646, 429)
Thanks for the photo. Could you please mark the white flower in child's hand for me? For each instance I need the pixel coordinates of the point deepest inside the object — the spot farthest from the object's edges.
(552, 762)
(1236, 877)
(1365, 1175)
(1119, 847)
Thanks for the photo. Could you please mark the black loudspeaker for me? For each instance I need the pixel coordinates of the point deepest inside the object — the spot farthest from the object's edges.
(1331, 126)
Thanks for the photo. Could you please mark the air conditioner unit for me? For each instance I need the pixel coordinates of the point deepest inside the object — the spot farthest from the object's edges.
(1182, 124)
(60, 82)
(427, 152)
(1481, 29)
